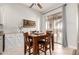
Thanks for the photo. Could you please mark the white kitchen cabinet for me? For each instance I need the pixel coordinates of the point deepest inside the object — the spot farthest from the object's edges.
(14, 42)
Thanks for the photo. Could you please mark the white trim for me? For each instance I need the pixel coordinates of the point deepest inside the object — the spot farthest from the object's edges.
(56, 7)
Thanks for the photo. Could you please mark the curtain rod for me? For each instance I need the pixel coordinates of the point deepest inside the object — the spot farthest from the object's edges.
(53, 9)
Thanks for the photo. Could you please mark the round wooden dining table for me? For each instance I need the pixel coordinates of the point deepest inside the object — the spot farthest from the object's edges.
(36, 38)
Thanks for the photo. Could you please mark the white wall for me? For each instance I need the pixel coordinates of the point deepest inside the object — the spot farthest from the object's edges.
(13, 14)
(72, 24)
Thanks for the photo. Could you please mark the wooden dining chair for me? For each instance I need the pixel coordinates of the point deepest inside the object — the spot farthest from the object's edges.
(28, 43)
(45, 44)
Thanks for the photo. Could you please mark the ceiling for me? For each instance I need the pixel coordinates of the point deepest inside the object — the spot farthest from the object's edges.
(46, 6)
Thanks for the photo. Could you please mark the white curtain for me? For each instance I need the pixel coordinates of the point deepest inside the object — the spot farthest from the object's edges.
(65, 43)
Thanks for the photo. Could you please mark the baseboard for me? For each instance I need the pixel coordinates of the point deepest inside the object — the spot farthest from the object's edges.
(73, 47)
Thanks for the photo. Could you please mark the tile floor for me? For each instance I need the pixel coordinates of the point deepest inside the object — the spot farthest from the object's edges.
(59, 50)
(18, 47)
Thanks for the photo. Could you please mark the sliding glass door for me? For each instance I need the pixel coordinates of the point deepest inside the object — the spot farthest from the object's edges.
(58, 37)
(55, 24)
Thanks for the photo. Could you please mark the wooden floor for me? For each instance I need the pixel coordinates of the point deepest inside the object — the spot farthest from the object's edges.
(59, 50)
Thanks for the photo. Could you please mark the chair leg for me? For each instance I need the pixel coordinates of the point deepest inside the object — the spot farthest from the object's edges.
(29, 50)
(24, 49)
(50, 50)
(38, 51)
(45, 50)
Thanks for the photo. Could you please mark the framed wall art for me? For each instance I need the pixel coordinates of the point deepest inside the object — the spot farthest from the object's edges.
(28, 23)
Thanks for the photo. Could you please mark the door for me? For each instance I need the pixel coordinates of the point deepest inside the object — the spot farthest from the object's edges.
(55, 24)
(58, 24)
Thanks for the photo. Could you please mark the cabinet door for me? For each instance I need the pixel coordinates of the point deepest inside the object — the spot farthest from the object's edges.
(1, 44)
(20, 41)
(10, 42)
(14, 42)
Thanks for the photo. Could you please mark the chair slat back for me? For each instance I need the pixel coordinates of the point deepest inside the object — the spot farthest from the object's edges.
(26, 37)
